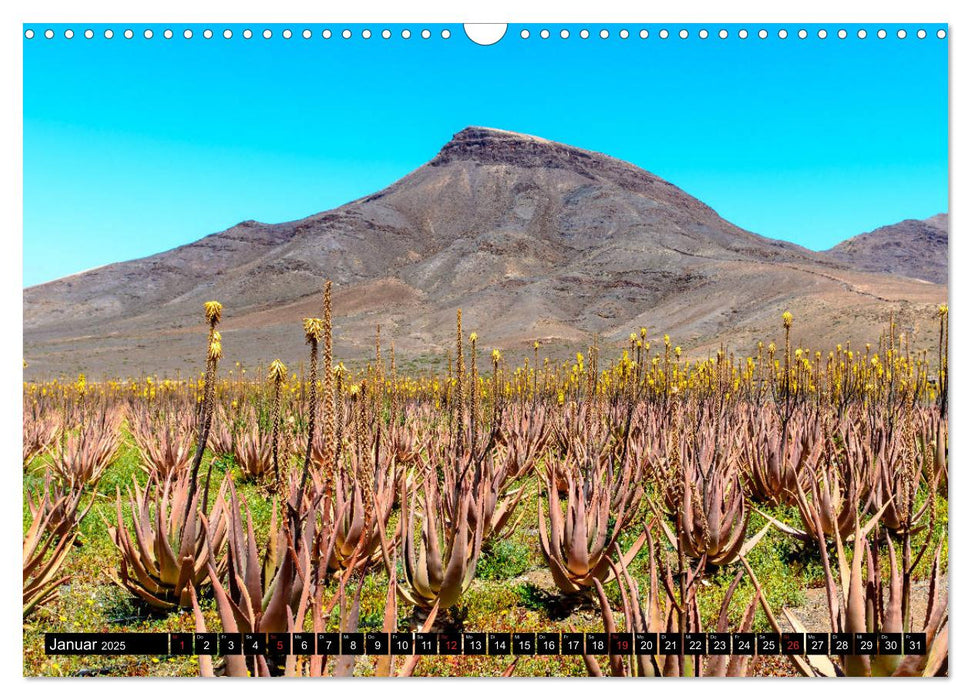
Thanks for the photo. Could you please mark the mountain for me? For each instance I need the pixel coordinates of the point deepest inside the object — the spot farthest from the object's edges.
(534, 240)
(911, 248)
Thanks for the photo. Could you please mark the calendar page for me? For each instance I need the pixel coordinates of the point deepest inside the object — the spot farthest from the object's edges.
(545, 349)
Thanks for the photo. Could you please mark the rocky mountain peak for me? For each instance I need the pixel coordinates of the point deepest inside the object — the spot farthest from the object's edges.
(496, 146)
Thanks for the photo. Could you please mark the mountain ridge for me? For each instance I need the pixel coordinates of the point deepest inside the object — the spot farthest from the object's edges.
(532, 238)
(915, 248)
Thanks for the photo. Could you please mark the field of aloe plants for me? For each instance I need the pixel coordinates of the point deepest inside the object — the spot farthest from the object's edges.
(795, 489)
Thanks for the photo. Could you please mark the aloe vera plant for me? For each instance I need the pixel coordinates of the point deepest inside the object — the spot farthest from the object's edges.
(221, 439)
(262, 594)
(834, 492)
(164, 438)
(575, 544)
(80, 457)
(247, 607)
(895, 479)
(404, 444)
(253, 451)
(491, 485)
(777, 456)
(44, 553)
(938, 464)
(60, 504)
(714, 514)
(174, 546)
(440, 566)
(502, 499)
(41, 429)
(360, 507)
(525, 435)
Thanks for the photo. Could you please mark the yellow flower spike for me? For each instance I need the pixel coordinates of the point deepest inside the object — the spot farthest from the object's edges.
(496, 356)
(787, 319)
(473, 337)
(313, 329)
(214, 312)
(278, 371)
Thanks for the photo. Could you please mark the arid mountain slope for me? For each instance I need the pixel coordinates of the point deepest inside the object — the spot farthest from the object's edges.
(532, 239)
(911, 248)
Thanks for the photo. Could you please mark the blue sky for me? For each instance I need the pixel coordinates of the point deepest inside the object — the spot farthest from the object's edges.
(136, 146)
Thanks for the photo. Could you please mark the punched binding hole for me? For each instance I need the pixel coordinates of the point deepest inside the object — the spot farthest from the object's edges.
(489, 34)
